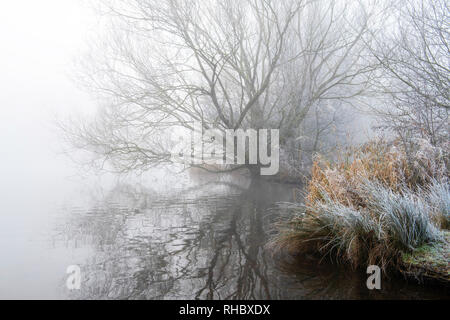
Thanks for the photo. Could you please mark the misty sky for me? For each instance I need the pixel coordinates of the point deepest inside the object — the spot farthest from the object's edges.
(39, 41)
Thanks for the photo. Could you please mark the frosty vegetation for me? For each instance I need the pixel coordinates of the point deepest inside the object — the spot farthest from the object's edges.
(372, 206)
(311, 69)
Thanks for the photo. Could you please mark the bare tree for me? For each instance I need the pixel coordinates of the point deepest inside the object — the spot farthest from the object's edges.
(227, 64)
(416, 61)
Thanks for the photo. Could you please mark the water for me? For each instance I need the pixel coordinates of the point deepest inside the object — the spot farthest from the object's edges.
(164, 236)
(202, 240)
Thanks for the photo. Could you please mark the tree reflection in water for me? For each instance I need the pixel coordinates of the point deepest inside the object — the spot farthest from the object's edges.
(206, 242)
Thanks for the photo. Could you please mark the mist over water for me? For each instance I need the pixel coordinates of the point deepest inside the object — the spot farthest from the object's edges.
(37, 50)
(161, 235)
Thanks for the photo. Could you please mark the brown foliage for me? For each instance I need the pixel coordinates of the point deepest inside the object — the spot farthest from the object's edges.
(387, 163)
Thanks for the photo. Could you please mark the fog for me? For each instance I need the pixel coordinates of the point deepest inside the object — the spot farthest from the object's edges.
(40, 40)
(148, 232)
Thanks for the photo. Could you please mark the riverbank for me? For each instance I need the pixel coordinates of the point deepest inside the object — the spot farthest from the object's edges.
(429, 263)
(376, 205)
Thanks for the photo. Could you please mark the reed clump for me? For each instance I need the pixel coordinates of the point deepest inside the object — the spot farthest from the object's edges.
(371, 206)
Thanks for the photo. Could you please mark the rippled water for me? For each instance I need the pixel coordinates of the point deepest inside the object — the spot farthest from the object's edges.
(202, 242)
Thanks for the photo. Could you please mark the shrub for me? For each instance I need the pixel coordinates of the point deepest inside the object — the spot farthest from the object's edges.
(370, 207)
(387, 163)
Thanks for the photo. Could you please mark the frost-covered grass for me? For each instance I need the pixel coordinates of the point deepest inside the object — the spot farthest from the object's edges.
(371, 209)
(438, 196)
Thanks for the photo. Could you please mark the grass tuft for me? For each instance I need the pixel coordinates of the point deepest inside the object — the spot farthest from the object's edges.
(370, 207)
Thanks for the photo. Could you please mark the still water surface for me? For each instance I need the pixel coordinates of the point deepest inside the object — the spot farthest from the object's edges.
(206, 241)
